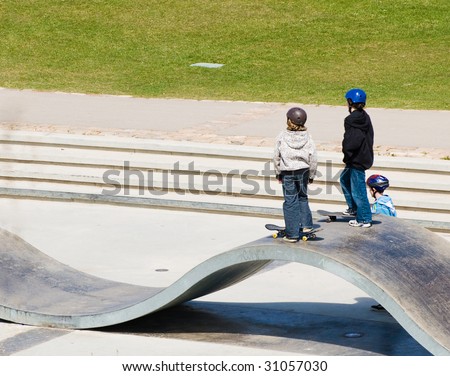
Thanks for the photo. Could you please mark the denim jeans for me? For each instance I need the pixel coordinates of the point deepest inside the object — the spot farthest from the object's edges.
(297, 213)
(353, 184)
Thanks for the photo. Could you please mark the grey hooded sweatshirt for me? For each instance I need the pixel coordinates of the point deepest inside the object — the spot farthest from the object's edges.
(295, 150)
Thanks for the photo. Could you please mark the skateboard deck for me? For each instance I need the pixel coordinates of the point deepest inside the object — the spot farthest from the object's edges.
(332, 216)
(281, 232)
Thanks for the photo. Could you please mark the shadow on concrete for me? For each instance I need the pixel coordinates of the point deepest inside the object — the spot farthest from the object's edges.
(283, 326)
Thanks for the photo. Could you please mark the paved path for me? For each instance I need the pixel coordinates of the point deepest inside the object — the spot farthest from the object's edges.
(397, 132)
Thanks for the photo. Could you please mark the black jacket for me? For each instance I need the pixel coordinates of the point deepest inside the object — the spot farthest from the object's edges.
(357, 144)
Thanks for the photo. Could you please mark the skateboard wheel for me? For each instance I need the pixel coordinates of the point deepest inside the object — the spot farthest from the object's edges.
(274, 236)
(304, 238)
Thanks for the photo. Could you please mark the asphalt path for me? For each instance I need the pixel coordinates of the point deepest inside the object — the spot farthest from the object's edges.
(422, 133)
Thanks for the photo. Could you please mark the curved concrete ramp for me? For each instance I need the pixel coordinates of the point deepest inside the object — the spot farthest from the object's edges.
(402, 266)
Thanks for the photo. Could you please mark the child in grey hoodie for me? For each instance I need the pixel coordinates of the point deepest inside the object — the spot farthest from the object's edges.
(295, 162)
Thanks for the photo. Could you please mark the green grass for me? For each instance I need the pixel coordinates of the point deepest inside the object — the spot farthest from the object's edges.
(272, 50)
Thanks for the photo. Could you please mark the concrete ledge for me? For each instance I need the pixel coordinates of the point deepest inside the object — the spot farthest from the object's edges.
(212, 207)
(195, 183)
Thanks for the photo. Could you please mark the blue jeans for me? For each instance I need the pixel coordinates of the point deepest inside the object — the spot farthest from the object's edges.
(297, 213)
(353, 183)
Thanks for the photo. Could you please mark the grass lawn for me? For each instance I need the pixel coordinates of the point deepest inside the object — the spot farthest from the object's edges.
(272, 50)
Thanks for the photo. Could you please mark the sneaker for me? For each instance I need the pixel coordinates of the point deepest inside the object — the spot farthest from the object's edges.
(305, 230)
(355, 223)
(349, 211)
(290, 240)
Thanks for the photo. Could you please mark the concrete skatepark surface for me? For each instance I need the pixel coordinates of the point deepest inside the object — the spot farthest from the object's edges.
(73, 241)
(37, 290)
(267, 314)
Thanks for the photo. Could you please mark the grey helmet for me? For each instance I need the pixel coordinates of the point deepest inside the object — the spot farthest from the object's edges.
(297, 116)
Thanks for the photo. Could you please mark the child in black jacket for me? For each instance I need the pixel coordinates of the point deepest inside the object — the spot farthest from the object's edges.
(357, 147)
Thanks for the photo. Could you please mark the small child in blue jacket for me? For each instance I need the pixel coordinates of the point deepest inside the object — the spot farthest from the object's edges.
(383, 203)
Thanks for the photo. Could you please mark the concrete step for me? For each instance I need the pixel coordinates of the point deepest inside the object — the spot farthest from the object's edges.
(213, 185)
(241, 176)
(195, 193)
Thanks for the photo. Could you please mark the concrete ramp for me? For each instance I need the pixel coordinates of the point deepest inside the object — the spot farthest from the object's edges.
(402, 266)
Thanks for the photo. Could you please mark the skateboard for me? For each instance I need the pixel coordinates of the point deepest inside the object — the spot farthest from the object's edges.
(332, 216)
(281, 232)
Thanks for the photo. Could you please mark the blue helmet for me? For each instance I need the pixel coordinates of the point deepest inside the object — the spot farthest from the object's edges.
(378, 182)
(356, 96)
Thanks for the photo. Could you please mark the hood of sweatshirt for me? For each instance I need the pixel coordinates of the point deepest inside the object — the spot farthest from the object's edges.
(295, 139)
(359, 119)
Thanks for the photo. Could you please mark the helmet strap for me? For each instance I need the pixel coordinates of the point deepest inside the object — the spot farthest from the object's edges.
(349, 103)
(377, 194)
